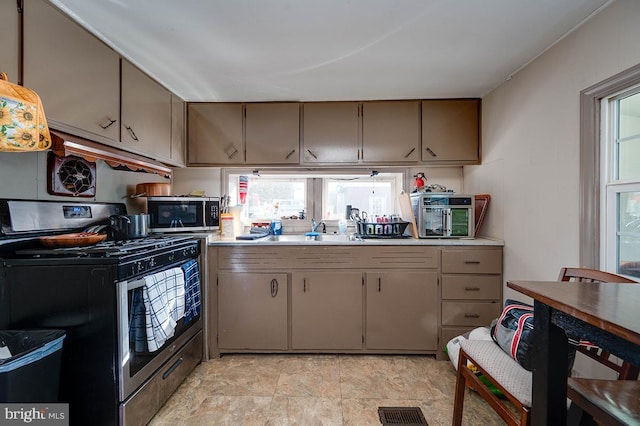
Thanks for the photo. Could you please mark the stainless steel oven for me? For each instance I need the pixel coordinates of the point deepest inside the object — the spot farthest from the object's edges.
(91, 292)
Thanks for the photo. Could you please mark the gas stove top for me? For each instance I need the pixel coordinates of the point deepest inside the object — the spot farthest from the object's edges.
(108, 249)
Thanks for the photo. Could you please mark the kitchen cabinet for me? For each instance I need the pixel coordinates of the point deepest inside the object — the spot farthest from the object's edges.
(76, 75)
(214, 133)
(272, 133)
(178, 133)
(330, 132)
(471, 290)
(391, 132)
(10, 46)
(326, 310)
(402, 310)
(252, 311)
(146, 114)
(451, 131)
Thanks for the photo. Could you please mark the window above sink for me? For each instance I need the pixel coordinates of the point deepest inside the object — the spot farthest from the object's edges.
(323, 195)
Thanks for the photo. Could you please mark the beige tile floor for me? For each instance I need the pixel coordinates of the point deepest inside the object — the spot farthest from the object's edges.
(317, 390)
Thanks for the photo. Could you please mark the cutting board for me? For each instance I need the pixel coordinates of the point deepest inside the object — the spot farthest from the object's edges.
(406, 211)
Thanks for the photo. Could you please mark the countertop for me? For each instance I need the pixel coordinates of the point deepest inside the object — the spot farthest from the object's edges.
(215, 240)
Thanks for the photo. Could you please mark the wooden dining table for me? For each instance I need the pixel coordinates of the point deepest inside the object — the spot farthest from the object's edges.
(606, 314)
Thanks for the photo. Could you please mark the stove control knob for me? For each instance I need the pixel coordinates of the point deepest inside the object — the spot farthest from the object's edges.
(171, 257)
(152, 262)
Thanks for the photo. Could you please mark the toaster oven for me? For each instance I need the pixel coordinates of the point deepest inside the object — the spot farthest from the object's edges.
(444, 214)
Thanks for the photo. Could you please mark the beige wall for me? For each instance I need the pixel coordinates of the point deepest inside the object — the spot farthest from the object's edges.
(24, 176)
(530, 144)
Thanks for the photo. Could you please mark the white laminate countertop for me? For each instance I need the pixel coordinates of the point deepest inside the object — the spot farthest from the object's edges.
(215, 240)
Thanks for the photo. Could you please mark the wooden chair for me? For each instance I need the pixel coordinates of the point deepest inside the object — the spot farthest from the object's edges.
(626, 371)
(588, 401)
(514, 381)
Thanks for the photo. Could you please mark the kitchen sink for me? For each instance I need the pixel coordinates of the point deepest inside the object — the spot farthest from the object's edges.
(302, 237)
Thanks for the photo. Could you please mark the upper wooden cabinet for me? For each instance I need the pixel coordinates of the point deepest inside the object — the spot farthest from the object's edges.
(391, 132)
(451, 131)
(214, 132)
(272, 133)
(75, 74)
(10, 45)
(331, 132)
(146, 114)
(178, 132)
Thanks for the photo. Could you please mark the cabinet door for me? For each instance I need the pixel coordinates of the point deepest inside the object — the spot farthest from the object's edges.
(178, 135)
(75, 74)
(326, 310)
(252, 311)
(330, 132)
(391, 131)
(10, 45)
(214, 133)
(272, 133)
(402, 310)
(146, 114)
(451, 130)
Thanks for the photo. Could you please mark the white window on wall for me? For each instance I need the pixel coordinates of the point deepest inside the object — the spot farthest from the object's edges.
(374, 194)
(620, 216)
(322, 195)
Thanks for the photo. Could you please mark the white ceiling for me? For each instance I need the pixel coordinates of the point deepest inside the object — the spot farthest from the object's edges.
(305, 50)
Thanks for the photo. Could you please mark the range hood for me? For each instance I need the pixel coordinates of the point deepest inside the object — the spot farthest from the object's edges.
(64, 144)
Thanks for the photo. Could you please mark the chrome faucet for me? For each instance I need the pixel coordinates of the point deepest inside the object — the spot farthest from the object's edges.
(315, 225)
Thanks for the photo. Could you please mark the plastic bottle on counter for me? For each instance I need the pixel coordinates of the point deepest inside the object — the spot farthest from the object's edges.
(342, 226)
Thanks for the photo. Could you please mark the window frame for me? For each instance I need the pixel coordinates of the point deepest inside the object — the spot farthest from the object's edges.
(316, 177)
(591, 173)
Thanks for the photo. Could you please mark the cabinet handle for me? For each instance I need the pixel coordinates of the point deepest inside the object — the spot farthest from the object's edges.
(410, 152)
(274, 287)
(290, 154)
(312, 154)
(430, 151)
(379, 284)
(471, 262)
(304, 285)
(471, 316)
(132, 133)
(107, 125)
(472, 289)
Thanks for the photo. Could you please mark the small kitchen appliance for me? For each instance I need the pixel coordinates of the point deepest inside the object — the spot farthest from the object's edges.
(444, 214)
(183, 214)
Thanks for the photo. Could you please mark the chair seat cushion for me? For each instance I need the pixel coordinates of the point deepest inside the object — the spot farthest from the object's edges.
(501, 367)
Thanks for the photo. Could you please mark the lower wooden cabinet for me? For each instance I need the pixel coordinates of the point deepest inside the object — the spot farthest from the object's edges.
(471, 290)
(252, 311)
(402, 310)
(337, 299)
(326, 310)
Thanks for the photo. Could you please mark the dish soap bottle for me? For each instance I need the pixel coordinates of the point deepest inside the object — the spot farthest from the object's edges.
(342, 226)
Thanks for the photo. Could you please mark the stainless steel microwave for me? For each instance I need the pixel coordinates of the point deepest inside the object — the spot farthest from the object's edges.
(444, 214)
(183, 214)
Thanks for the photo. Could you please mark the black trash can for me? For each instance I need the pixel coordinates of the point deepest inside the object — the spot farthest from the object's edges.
(32, 372)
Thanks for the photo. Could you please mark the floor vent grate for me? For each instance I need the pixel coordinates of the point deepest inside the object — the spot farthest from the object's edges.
(401, 416)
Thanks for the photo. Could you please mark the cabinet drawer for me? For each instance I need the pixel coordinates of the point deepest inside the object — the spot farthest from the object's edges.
(472, 261)
(470, 313)
(449, 333)
(479, 287)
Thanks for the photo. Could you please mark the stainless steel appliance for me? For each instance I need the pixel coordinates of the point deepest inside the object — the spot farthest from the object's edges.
(444, 214)
(180, 214)
(109, 377)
